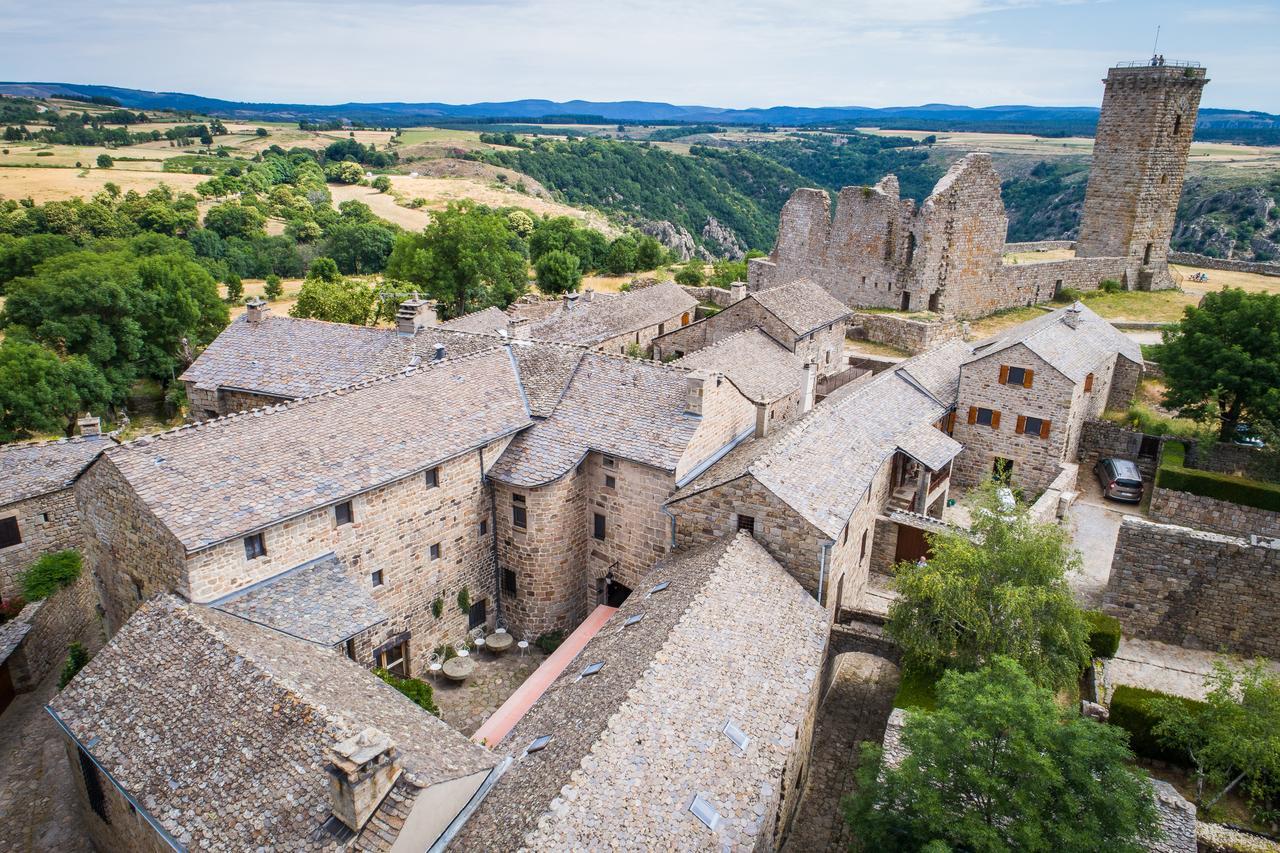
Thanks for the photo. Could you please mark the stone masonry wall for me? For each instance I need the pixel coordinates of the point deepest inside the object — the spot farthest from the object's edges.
(206, 404)
(1192, 588)
(1039, 246)
(127, 829)
(824, 347)
(904, 333)
(637, 531)
(740, 316)
(643, 338)
(1225, 264)
(1212, 514)
(1102, 439)
(1032, 283)
(58, 621)
(46, 523)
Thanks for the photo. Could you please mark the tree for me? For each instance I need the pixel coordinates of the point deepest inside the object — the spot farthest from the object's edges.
(235, 288)
(999, 590)
(324, 269)
(262, 131)
(177, 302)
(382, 184)
(649, 254)
(105, 161)
(1233, 739)
(338, 300)
(234, 219)
(272, 288)
(41, 392)
(520, 222)
(1223, 359)
(622, 256)
(359, 247)
(344, 173)
(467, 258)
(691, 274)
(998, 766)
(558, 272)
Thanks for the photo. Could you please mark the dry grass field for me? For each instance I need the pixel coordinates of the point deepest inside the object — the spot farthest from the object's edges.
(59, 184)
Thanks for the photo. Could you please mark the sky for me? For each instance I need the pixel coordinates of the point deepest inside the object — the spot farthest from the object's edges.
(726, 53)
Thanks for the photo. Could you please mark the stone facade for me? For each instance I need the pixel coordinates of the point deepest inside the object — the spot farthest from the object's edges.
(116, 824)
(46, 523)
(1208, 513)
(56, 622)
(208, 403)
(1197, 589)
(904, 333)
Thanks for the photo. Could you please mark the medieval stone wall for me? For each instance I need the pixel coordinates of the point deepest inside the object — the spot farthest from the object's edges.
(1207, 513)
(1039, 246)
(56, 623)
(740, 316)
(1033, 283)
(824, 347)
(1224, 264)
(46, 523)
(1102, 439)
(644, 338)
(206, 404)
(1193, 588)
(124, 827)
(904, 333)
(726, 417)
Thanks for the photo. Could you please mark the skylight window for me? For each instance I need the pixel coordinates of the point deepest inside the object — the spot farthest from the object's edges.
(737, 735)
(592, 669)
(705, 812)
(660, 587)
(538, 743)
(631, 620)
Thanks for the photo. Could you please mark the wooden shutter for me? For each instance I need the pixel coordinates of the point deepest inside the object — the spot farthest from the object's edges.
(1022, 424)
(973, 414)
(1088, 383)
(995, 420)
(1004, 374)
(1044, 429)
(1026, 377)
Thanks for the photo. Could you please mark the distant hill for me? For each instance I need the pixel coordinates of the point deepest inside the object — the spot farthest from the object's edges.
(1237, 125)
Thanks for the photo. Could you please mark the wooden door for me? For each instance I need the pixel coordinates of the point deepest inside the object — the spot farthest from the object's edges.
(911, 545)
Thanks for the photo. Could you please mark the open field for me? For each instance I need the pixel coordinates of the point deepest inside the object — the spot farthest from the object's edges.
(257, 287)
(45, 155)
(1038, 257)
(1218, 279)
(58, 184)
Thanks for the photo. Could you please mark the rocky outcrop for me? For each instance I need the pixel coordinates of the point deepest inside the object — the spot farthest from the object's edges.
(674, 237)
(722, 241)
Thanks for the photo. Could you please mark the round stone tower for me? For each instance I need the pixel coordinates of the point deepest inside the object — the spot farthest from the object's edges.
(1139, 160)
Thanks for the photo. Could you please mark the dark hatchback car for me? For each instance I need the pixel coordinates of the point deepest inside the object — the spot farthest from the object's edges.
(1121, 480)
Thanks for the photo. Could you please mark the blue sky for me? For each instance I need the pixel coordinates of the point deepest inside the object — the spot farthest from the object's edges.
(734, 53)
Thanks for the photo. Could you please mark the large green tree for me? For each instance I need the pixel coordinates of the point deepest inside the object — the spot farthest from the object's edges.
(359, 247)
(467, 258)
(42, 392)
(338, 300)
(999, 766)
(1223, 359)
(558, 272)
(234, 219)
(999, 590)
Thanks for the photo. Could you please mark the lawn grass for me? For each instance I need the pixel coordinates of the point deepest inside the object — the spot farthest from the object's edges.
(917, 690)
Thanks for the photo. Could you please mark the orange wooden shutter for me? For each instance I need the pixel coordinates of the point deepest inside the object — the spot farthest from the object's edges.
(1088, 383)
(995, 420)
(1044, 429)
(1004, 374)
(1022, 424)
(973, 414)
(1026, 377)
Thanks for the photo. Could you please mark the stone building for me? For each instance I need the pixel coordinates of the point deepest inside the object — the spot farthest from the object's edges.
(37, 507)
(612, 322)
(772, 377)
(798, 314)
(1025, 395)
(692, 730)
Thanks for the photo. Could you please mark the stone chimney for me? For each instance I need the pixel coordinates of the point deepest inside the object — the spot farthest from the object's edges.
(255, 310)
(89, 425)
(697, 385)
(810, 388)
(361, 771)
(520, 328)
(737, 292)
(1072, 315)
(439, 352)
(762, 420)
(588, 294)
(415, 315)
(570, 301)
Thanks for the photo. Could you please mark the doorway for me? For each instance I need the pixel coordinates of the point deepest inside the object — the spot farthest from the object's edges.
(912, 545)
(906, 300)
(616, 593)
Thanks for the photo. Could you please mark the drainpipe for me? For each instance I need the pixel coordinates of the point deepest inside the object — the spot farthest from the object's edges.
(493, 540)
(668, 514)
(822, 566)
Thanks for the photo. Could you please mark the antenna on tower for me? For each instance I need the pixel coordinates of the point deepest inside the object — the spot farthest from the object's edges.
(1157, 41)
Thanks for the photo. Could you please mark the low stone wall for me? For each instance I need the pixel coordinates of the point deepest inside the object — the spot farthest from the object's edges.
(1103, 439)
(904, 333)
(1191, 259)
(1196, 589)
(1054, 501)
(873, 363)
(1234, 459)
(1039, 246)
(1216, 838)
(1206, 513)
(56, 622)
(715, 295)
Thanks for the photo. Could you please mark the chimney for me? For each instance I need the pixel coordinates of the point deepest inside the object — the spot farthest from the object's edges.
(255, 310)
(361, 771)
(89, 425)
(588, 295)
(415, 315)
(439, 352)
(570, 301)
(1072, 315)
(696, 381)
(810, 387)
(737, 292)
(762, 420)
(520, 328)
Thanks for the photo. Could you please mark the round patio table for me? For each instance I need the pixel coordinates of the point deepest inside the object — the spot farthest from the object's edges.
(459, 669)
(498, 643)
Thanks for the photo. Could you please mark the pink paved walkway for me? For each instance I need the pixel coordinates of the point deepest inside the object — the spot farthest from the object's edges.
(518, 704)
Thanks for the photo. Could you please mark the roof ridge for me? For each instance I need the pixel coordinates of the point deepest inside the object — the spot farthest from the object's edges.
(317, 321)
(49, 442)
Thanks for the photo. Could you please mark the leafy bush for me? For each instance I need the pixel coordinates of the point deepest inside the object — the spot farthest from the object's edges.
(1210, 484)
(235, 288)
(1109, 285)
(437, 607)
(105, 161)
(1104, 633)
(1068, 294)
(77, 657)
(272, 287)
(49, 574)
(1130, 711)
(691, 274)
(464, 600)
(558, 271)
(550, 641)
(417, 690)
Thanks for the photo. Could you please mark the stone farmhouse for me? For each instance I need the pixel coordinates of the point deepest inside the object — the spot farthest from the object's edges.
(945, 255)
(613, 322)
(780, 384)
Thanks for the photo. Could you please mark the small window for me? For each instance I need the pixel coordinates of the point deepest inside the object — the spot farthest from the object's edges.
(705, 812)
(478, 614)
(660, 587)
(608, 462)
(435, 551)
(610, 481)
(632, 619)
(342, 513)
(986, 417)
(44, 516)
(591, 669)
(862, 551)
(737, 735)
(1033, 426)
(509, 581)
(598, 529)
(395, 658)
(519, 513)
(93, 785)
(484, 527)
(254, 547)
(9, 533)
(376, 577)
(433, 477)
(1016, 376)
(747, 523)
(1088, 383)
(351, 649)
(538, 743)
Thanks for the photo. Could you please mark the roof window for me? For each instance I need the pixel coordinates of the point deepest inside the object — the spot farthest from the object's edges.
(660, 587)
(705, 812)
(591, 669)
(537, 744)
(737, 735)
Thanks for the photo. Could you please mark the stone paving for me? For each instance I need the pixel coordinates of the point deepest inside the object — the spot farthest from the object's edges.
(855, 708)
(465, 706)
(1160, 666)
(37, 793)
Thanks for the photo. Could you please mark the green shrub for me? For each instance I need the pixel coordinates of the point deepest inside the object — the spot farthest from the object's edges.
(49, 574)
(1068, 294)
(418, 691)
(1109, 285)
(691, 274)
(437, 607)
(1210, 484)
(917, 689)
(1104, 633)
(272, 287)
(550, 641)
(464, 600)
(77, 657)
(1130, 712)
(445, 652)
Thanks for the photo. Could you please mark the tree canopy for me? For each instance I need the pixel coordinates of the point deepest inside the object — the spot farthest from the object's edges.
(338, 300)
(558, 272)
(42, 392)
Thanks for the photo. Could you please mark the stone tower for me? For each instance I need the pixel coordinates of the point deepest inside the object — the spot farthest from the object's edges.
(1139, 160)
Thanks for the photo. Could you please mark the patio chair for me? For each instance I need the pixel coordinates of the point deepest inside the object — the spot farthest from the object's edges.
(434, 664)
(523, 645)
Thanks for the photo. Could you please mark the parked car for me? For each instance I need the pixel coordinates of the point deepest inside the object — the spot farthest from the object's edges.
(1246, 437)
(1121, 480)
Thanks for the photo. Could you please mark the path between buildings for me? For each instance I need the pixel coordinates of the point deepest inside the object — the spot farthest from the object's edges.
(1095, 525)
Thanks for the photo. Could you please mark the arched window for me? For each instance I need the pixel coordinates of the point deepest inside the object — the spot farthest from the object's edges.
(911, 247)
(1177, 124)
(684, 319)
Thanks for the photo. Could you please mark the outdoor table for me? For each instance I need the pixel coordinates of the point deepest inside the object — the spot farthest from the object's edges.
(498, 643)
(459, 669)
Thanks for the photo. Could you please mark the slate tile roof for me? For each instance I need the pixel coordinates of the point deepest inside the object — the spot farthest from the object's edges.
(226, 477)
(1074, 351)
(318, 601)
(402, 353)
(488, 320)
(761, 368)
(733, 637)
(39, 467)
(545, 371)
(219, 727)
(618, 406)
(605, 316)
(802, 305)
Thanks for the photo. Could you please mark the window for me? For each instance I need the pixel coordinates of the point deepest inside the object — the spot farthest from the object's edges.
(1016, 375)
(376, 577)
(394, 657)
(509, 581)
(1177, 124)
(519, 513)
(538, 743)
(747, 523)
(632, 620)
(351, 649)
(660, 587)
(906, 301)
(984, 417)
(433, 477)
(862, 551)
(435, 551)
(254, 547)
(1001, 469)
(598, 529)
(844, 537)
(93, 785)
(591, 669)
(484, 527)
(1088, 383)
(342, 513)
(1033, 426)
(1146, 254)
(9, 533)
(477, 616)
(610, 481)
(608, 461)
(44, 516)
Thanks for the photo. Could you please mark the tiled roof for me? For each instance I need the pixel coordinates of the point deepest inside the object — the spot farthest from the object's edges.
(486, 320)
(34, 468)
(410, 351)
(761, 368)
(219, 727)
(607, 317)
(733, 637)
(545, 371)
(288, 357)
(1076, 352)
(938, 370)
(619, 406)
(318, 601)
(239, 473)
(822, 464)
(13, 632)
(802, 305)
